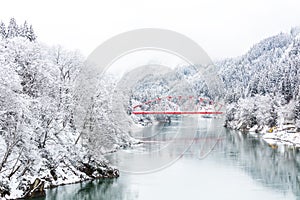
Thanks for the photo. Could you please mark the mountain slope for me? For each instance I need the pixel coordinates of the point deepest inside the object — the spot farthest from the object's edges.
(262, 82)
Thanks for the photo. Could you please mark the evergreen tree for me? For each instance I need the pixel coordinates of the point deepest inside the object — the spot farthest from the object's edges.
(286, 88)
(30, 34)
(297, 113)
(274, 116)
(2, 30)
(297, 110)
(12, 29)
(23, 29)
(19, 31)
(254, 88)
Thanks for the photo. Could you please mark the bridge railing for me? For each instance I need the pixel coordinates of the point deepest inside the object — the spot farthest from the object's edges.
(178, 105)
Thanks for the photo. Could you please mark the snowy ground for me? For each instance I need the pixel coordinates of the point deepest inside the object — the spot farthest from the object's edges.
(282, 137)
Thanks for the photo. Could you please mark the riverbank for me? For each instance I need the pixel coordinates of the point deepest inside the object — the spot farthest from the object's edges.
(287, 134)
(29, 185)
(271, 117)
(59, 163)
(283, 137)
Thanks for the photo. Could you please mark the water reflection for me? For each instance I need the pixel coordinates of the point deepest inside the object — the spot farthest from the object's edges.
(274, 168)
(274, 172)
(97, 189)
(163, 146)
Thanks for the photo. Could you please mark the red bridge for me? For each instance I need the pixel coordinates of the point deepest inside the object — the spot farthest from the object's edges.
(178, 105)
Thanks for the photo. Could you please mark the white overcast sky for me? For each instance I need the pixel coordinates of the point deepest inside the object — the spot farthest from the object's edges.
(223, 28)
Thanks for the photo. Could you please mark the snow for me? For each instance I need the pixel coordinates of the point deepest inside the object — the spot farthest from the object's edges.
(253, 129)
(263, 89)
(38, 102)
(37, 128)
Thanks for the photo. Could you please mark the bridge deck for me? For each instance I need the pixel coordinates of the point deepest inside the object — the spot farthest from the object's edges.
(176, 112)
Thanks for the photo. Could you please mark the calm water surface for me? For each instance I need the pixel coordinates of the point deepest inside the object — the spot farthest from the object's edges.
(219, 164)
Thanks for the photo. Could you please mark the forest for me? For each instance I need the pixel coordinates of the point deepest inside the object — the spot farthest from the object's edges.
(39, 139)
(38, 136)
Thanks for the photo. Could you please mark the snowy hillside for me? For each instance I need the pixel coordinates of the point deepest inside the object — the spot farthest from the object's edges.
(183, 81)
(262, 82)
(261, 87)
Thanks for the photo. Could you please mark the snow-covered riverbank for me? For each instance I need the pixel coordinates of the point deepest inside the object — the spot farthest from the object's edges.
(287, 134)
(265, 116)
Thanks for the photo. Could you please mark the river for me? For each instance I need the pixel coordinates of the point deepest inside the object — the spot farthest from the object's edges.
(194, 158)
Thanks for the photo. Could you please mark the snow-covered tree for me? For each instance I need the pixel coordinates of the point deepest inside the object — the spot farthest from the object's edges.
(15, 30)
(37, 129)
(2, 30)
(270, 68)
(30, 34)
(23, 29)
(12, 29)
(297, 113)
